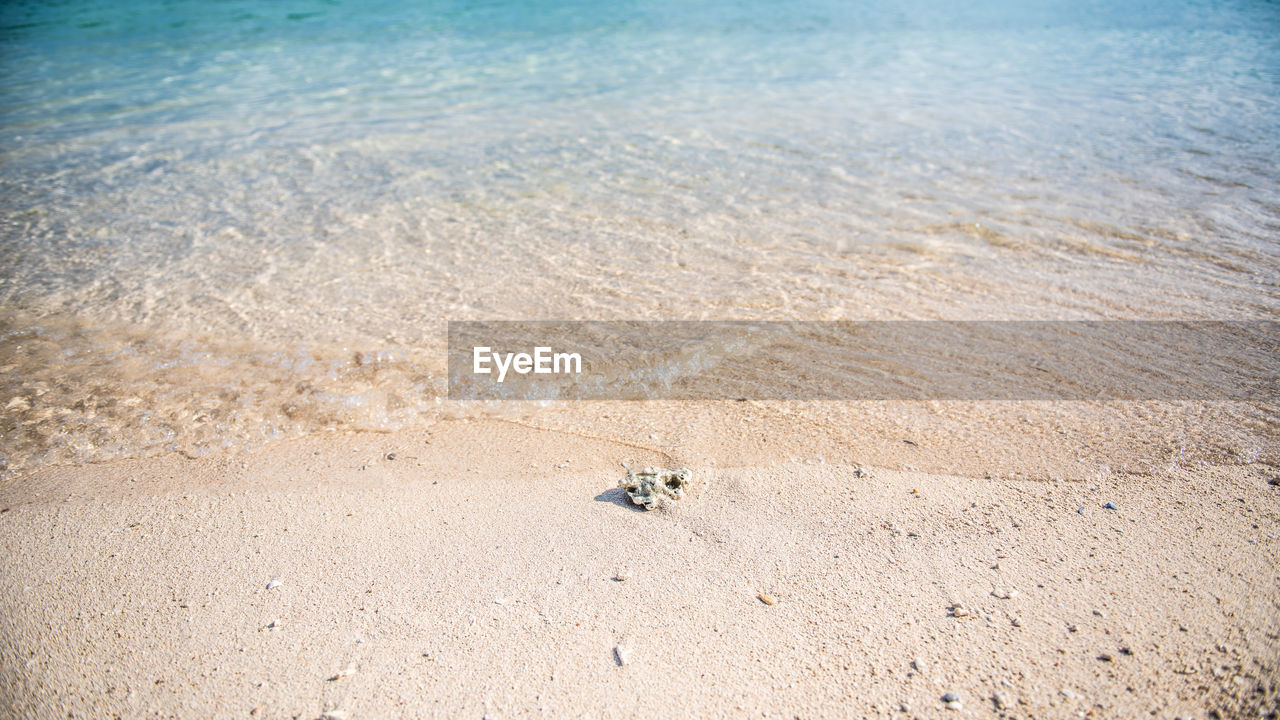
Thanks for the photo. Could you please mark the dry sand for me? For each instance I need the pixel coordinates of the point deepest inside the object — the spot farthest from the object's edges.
(476, 574)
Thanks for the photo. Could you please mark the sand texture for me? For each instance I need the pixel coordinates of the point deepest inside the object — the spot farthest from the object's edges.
(493, 569)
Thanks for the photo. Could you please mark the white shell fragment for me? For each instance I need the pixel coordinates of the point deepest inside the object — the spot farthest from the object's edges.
(649, 486)
(346, 672)
(275, 583)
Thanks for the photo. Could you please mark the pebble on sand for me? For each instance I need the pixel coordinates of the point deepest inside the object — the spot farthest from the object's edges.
(766, 598)
(335, 715)
(621, 654)
(273, 584)
(1110, 506)
(1003, 700)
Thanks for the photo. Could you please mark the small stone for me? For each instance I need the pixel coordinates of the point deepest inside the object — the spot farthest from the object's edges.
(1003, 700)
(650, 486)
(273, 625)
(950, 697)
(1105, 657)
(1016, 621)
(1110, 506)
(918, 664)
(1004, 593)
(1080, 510)
(860, 473)
(766, 598)
(958, 610)
(621, 576)
(273, 584)
(391, 456)
(621, 654)
(335, 715)
(1126, 650)
(1069, 694)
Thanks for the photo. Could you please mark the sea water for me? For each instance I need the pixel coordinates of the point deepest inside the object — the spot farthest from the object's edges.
(227, 222)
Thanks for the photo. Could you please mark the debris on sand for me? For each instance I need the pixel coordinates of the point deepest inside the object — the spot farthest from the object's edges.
(346, 672)
(621, 654)
(767, 599)
(649, 486)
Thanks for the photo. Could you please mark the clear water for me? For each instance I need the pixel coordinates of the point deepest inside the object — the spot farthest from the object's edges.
(224, 222)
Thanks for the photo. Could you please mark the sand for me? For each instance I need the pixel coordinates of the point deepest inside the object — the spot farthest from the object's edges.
(476, 574)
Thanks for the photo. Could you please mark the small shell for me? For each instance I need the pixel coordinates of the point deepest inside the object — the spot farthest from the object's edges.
(622, 654)
(345, 673)
(275, 583)
(767, 599)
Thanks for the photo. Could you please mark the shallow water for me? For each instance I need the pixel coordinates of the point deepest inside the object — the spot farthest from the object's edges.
(222, 223)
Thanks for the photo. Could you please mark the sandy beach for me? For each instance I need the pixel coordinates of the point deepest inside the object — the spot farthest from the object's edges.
(329, 329)
(490, 568)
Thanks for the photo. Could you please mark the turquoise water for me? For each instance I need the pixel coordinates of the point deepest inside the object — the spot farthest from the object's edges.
(224, 222)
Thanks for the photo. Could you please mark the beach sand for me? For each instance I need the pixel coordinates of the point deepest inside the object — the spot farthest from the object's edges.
(493, 568)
